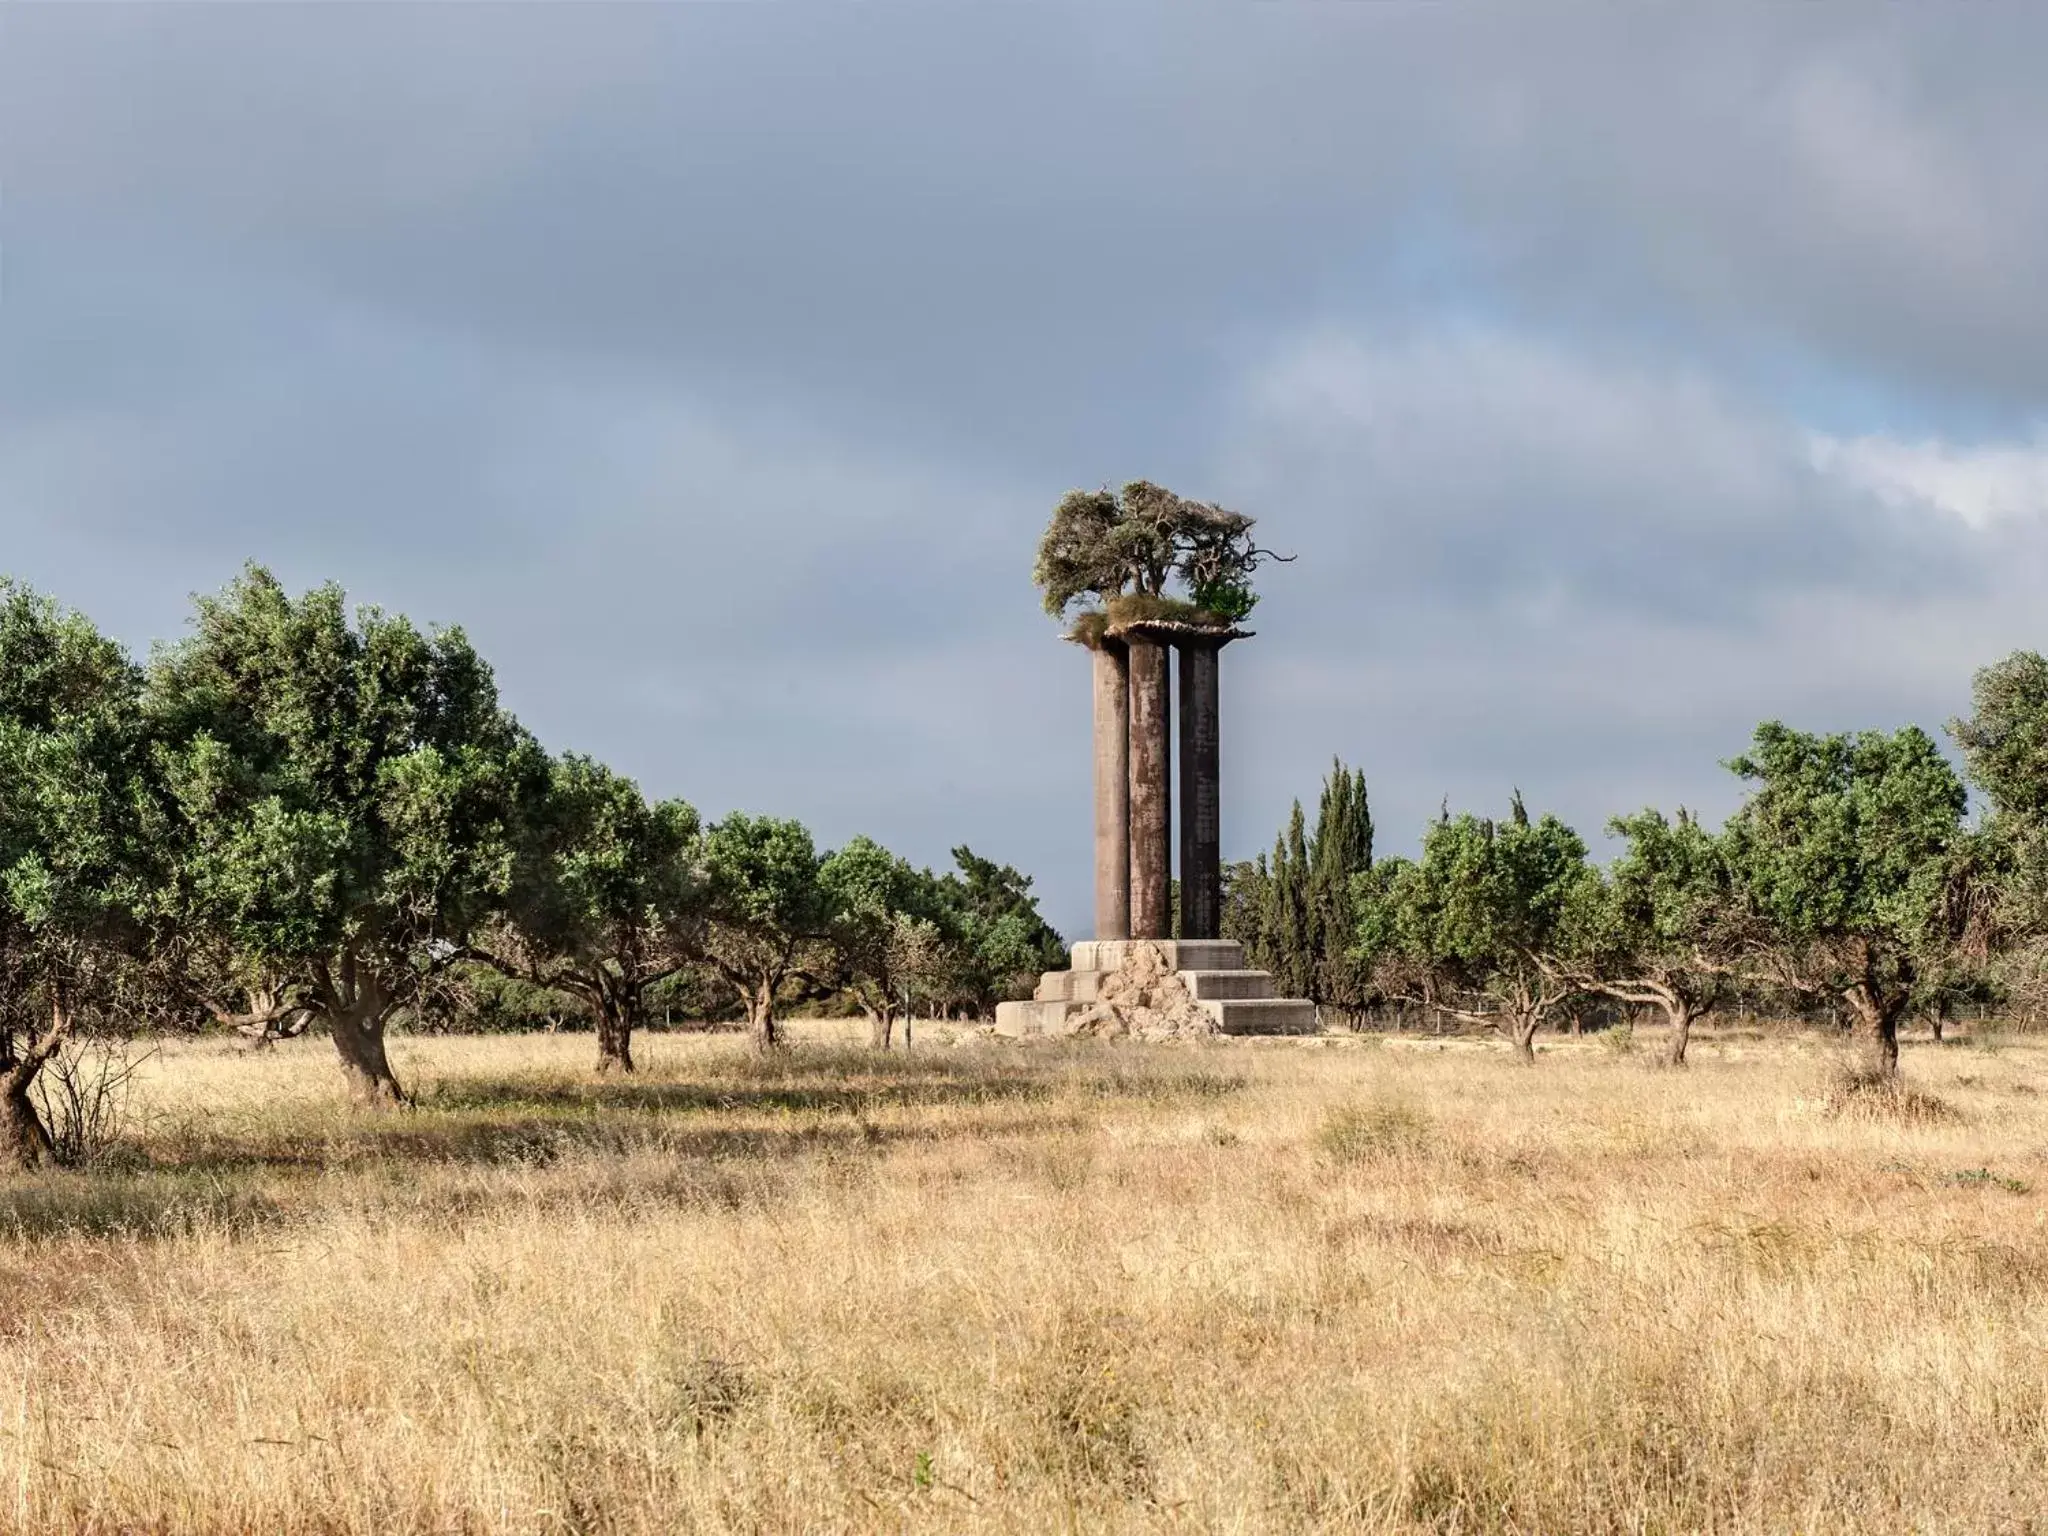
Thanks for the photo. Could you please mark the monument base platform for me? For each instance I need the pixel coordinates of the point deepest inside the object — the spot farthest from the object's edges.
(1159, 989)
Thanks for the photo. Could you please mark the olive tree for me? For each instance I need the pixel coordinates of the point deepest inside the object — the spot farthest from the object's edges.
(347, 792)
(767, 912)
(607, 901)
(2004, 744)
(1661, 929)
(78, 844)
(1481, 927)
(885, 928)
(1843, 856)
(1136, 541)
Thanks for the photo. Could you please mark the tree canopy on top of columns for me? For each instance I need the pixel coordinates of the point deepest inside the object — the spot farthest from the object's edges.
(1131, 546)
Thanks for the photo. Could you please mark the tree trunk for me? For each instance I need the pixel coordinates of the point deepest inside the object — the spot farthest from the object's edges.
(1876, 1028)
(881, 1027)
(359, 1042)
(24, 1140)
(761, 1017)
(615, 1034)
(1522, 1030)
(1680, 1015)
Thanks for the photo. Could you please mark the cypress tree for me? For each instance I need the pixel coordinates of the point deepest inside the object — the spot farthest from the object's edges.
(1341, 849)
(1292, 920)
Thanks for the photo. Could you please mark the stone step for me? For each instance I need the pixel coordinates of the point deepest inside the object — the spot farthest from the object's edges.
(1068, 987)
(1263, 1015)
(1035, 1018)
(1205, 985)
(1181, 954)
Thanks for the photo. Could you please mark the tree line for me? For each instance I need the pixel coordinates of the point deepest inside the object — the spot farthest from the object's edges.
(1854, 875)
(301, 815)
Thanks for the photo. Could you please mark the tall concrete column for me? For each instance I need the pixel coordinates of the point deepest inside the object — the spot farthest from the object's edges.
(1151, 789)
(1201, 791)
(1112, 791)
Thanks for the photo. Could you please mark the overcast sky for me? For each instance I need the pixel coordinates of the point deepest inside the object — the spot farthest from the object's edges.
(1621, 376)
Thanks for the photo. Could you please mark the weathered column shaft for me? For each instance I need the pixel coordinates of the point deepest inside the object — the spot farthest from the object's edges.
(1201, 793)
(1112, 791)
(1151, 791)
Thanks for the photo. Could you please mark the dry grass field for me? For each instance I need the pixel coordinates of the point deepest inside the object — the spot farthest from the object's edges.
(1342, 1285)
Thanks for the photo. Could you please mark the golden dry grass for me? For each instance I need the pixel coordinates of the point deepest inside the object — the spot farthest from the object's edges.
(1245, 1287)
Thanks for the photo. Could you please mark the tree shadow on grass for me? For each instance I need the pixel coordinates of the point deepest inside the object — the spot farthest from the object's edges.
(466, 1168)
(818, 1096)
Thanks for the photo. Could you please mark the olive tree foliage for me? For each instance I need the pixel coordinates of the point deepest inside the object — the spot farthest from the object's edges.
(347, 794)
(1844, 856)
(1136, 541)
(767, 913)
(79, 839)
(607, 901)
(2004, 743)
(1661, 928)
(889, 928)
(1483, 926)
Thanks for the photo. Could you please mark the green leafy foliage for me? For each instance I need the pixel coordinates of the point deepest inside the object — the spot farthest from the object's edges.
(79, 843)
(1844, 853)
(608, 898)
(1132, 543)
(1482, 925)
(347, 798)
(768, 911)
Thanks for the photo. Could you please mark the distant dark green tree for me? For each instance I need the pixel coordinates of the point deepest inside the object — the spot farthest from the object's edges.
(997, 943)
(1247, 898)
(1845, 854)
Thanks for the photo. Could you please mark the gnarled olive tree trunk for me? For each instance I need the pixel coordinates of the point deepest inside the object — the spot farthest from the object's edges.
(357, 1005)
(1520, 1028)
(1679, 1015)
(881, 1025)
(617, 1014)
(1876, 1013)
(761, 1016)
(24, 1139)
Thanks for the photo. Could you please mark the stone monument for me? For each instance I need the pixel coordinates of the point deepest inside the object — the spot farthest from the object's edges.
(1137, 976)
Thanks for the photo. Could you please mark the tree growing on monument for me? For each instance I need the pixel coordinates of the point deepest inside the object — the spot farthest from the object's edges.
(1845, 855)
(78, 845)
(1133, 544)
(607, 900)
(347, 797)
(1482, 927)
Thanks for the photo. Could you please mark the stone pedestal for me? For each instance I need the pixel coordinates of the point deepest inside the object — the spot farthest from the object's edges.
(1212, 972)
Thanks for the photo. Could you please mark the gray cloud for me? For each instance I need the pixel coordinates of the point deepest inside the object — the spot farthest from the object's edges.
(716, 365)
